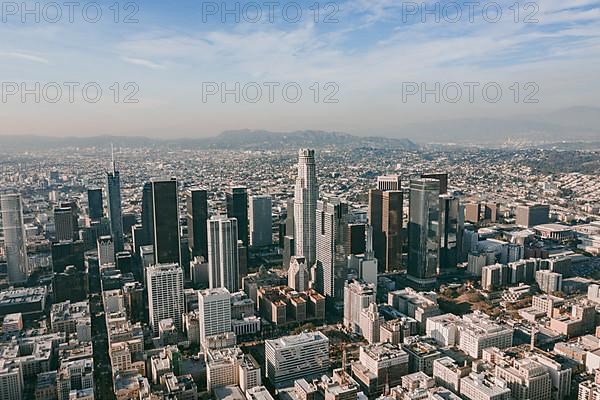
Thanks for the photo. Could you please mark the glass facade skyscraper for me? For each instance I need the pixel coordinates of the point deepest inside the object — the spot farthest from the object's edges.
(423, 230)
(167, 245)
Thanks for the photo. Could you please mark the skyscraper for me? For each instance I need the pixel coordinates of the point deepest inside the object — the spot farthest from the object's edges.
(237, 207)
(106, 250)
(332, 232)
(63, 223)
(423, 230)
(223, 256)
(450, 231)
(305, 207)
(165, 211)
(261, 221)
(385, 216)
(115, 213)
(14, 238)
(197, 215)
(392, 228)
(147, 215)
(95, 205)
(298, 274)
(442, 177)
(165, 294)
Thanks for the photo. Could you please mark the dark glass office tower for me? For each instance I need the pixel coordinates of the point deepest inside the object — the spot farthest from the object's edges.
(95, 207)
(197, 215)
(392, 229)
(237, 207)
(449, 232)
(115, 213)
(165, 204)
(147, 215)
(423, 230)
(440, 176)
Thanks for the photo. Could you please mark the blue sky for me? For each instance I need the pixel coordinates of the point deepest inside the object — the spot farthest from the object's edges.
(373, 49)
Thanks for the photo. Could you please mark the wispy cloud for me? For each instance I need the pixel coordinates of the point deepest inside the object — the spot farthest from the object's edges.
(143, 63)
(24, 56)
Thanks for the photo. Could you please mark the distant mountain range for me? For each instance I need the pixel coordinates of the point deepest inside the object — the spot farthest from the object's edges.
(239, 139)
(569, 125)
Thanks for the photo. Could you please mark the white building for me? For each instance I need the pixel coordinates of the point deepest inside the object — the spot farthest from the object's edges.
(215, 312)
(297, 356)
(11, 380)
(357, 296)
(444, 329)
(549, 281)
(165, 294)
(370, 323)
(479, 387)
(223, 255)
(478, 332)
(260, 215)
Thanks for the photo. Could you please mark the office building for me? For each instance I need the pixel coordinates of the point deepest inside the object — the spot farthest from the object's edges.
(450, 233)
(237, 207)
(356, 239)
(63, 223)
(215, 312)
(147, 216)
(442, 177)
(165, 217)
(197, 215)
(549, 281)
(223, 254)
(298, 274)
(448, 373)
(423, 231)
(370, 323)
(380, 365)
(106, 250)
(357, 296)
(297, 356)
(532, 215)
(332, 229)
(95, 204)
(165, 294)
(481, 387)
(385, 216)
(115, 212)
(15, 244)
(473, 213)
(11, 380)
(305, 207)
(261, 221)
(477, 332)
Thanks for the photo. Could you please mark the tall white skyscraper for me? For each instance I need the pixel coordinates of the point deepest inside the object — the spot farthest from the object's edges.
(223, 256)
(165, 294)
(14, 238)
(215, 312)
(261, 216)
(305, 207)
(332, 223)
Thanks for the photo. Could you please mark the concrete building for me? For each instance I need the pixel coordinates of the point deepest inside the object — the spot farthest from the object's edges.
(215, 312)
(297, 356)
(477, 332)
(370, 323)
(532, 215)
(448, 373)
(165, 294)
(548, 281)
(479, 387)
(357, 296)
(298, 274)
(379, 365)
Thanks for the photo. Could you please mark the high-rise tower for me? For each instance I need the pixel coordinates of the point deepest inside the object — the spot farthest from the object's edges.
(14, 238)
(223, 255)
(423, 230)
(237, 207)
(165, 206)
(197, 215)
(332, 232)
(115, 212)
(305, 207)
(261, 221)
(95, 207)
